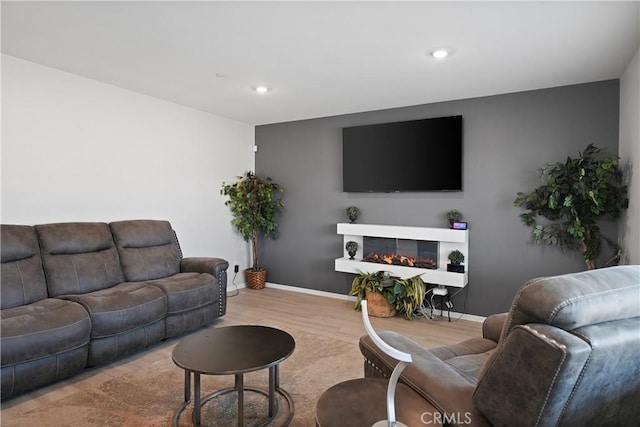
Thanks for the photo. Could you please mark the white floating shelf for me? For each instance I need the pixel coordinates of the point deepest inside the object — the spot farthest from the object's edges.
(439, 276)
(448, 240)
(404, 232)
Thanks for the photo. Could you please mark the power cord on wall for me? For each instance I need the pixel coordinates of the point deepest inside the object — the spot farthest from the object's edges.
(428, 307)
(233, 280)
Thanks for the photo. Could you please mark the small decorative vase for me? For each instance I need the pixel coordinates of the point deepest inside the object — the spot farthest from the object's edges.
(352, 213)
(352, 254)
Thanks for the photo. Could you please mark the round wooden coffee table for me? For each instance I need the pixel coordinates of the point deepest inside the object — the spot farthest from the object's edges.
(233, 350)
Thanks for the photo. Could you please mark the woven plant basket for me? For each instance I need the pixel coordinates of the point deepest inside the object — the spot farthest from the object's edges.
(379, 306)
(256, 279)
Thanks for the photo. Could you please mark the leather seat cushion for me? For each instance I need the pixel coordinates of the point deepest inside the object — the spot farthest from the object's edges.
(123, 307)
(188, 291)
(43, 328)
(467, 357)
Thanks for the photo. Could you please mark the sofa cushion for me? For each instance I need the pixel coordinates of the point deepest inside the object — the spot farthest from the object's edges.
(22, 278)
(43, 328)
(122, 308)
(78, 257)
(148, 249)
(187, 291)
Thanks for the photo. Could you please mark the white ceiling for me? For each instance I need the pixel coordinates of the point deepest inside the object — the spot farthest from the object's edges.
(324, 58)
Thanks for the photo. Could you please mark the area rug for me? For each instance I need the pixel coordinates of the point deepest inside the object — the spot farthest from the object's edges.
(150, 396)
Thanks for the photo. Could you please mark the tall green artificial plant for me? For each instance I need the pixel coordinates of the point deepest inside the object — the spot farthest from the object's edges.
(254, 203)
(573, 197)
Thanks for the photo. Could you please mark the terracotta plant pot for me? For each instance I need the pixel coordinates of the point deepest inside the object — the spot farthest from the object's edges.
(256, 279)
(379, 306)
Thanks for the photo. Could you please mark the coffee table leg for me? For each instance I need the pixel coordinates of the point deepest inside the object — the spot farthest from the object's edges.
(273, 383)
(187, 385)
(196, 398)
(240, 389)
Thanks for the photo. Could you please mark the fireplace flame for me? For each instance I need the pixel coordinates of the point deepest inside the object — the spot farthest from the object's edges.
(394, 259)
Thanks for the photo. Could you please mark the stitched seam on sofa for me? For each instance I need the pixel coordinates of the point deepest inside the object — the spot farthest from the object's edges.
(192, 308)
(131, 246)
(48, 330)
(124, 310)
(564, 356)
(116, 335)
(507, 325)
(106, 270)
(580, 298)
(144, 266)
(57, 365)
(463, 374)
(578, 382)
(24, 295)
(516, 301)
(186, 291)
(46, 356)
(75, 270)
(13, 377)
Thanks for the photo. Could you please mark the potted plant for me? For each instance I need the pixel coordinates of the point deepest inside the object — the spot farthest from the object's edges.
(456, 258)
(352, 248)
(255, 203)
(573, 197)
(408, 295)
(377, 289)
(454, 216)
(352, 213)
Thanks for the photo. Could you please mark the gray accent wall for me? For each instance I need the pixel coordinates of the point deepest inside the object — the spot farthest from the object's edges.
(507, 138)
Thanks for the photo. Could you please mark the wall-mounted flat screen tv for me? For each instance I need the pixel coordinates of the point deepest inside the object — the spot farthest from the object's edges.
(416, 155)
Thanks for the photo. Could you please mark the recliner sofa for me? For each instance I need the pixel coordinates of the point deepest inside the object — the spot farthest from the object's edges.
(75, 295)
(566, 354)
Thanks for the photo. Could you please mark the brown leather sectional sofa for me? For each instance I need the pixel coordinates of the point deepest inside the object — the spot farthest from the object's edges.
(76, 295)
(566, 354)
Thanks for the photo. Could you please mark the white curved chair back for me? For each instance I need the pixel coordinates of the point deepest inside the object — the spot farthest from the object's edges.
(403, 360)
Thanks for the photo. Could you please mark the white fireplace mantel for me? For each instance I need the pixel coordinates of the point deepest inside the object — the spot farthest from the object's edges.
(448, 240)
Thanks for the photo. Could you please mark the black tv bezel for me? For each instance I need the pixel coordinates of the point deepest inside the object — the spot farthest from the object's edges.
(460, 148)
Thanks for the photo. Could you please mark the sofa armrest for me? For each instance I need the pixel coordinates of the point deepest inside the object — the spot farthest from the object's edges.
(533, 376)
(492, 326)
(213, 266)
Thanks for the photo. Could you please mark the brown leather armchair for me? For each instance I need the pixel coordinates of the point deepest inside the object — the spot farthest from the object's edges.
(566, 354)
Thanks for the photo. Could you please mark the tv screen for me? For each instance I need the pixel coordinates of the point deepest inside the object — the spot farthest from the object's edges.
(416, 155)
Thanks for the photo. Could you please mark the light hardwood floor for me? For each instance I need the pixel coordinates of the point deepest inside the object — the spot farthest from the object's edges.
(319, 315)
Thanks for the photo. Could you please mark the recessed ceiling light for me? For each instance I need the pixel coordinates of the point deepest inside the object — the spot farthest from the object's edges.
(261, 89)
(440, 53)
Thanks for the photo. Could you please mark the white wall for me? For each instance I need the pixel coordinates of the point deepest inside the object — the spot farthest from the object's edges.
(629, 234)
(74, 149)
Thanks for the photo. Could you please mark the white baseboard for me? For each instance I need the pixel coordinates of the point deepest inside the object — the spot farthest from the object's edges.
(454, 314)
(310, 291)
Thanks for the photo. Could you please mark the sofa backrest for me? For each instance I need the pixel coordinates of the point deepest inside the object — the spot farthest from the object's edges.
(570, 301)
(78, 257)
(22, 278)
(568, 353)
(148, 249)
